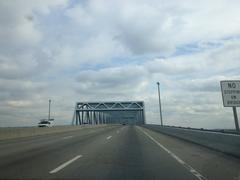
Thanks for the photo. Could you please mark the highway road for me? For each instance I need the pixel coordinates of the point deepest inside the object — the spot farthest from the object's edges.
(113, 152)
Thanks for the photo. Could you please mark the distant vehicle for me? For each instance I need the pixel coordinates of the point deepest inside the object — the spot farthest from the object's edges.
(123, 124)
(46, 119)
(45, 123)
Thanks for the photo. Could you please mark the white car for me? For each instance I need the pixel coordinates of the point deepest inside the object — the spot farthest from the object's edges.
(45, 124)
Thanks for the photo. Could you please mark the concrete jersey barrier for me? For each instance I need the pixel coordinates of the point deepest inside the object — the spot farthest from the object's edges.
(10, 133)
(226, 143)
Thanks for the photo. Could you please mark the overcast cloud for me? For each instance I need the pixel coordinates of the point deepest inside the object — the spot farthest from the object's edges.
(100, 50)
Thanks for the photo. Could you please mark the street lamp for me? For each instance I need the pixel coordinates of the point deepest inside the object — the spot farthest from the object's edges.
(49, 104)
(160, 107)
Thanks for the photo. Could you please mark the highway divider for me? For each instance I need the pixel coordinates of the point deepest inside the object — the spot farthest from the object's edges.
(223, 142)
(18, 132)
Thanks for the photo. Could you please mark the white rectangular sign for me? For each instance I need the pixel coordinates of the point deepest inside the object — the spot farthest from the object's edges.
(231, 93)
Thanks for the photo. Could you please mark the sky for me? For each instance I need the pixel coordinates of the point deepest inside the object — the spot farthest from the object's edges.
(102, 50)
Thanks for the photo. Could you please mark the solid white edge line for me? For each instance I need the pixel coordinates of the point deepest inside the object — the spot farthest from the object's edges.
(188, 167)
(65, 164)
(109, 137)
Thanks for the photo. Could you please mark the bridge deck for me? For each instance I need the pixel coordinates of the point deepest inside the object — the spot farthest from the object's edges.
(112, 152)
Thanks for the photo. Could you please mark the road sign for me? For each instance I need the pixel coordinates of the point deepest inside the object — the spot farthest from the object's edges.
(231, 97)
(231, 93)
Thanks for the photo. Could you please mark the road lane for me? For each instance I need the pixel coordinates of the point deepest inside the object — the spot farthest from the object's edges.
(184, 164)
(212, 164)
(20, 145)
(128, 154)
(36, 161)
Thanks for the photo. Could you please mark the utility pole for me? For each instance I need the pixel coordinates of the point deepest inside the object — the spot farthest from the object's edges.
(49, 106)
(160, 107)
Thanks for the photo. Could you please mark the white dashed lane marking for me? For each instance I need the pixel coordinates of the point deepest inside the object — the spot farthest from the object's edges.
(109, 137)
(65, 164)
(68, 137)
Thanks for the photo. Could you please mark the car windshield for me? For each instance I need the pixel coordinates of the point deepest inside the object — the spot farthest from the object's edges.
(120, 89)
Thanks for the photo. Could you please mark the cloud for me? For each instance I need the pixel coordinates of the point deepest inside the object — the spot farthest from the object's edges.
(94, 50)
(157, 26)
(19, 103)
(20, 50)
(20, 60)
(116, 80)
(17, 22)
(117, 50)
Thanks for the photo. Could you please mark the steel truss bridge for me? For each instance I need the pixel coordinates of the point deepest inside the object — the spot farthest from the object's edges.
(127, 112)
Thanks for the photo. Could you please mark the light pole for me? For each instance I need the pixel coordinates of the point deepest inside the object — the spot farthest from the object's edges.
(160, 107)
(49, 104)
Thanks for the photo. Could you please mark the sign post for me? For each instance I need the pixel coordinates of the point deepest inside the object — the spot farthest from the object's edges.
(231, 97)
(235, 118)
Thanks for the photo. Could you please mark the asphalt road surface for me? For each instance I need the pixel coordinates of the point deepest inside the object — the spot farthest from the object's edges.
(112, 152)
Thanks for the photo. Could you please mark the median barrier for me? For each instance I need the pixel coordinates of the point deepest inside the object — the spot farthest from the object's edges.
(17, 132)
